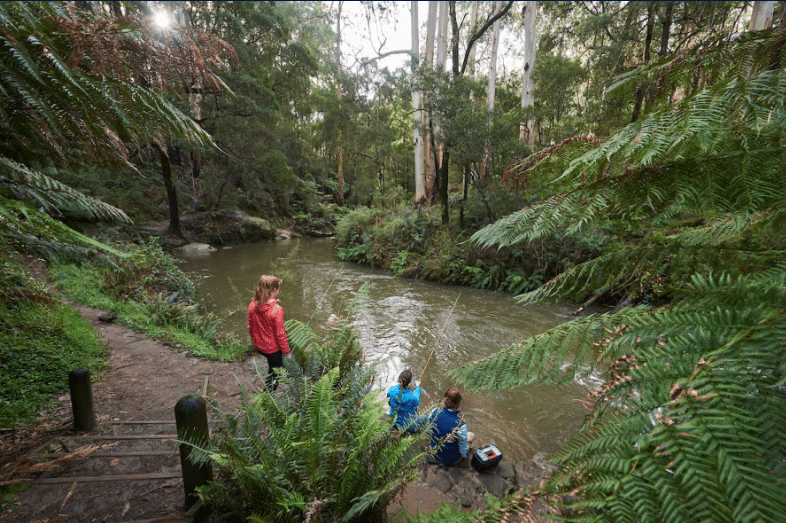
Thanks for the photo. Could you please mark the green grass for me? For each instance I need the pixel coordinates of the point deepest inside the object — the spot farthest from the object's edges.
(177, 324)
(39, 345)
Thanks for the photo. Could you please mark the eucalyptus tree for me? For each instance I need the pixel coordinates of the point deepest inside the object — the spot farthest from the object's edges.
(444, 112)
(688, 424)
(428, 64)
(527, 126)
(420, 176)
(66, 100)
(491, 91)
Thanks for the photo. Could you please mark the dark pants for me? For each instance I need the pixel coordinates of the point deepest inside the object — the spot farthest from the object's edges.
(275, 360)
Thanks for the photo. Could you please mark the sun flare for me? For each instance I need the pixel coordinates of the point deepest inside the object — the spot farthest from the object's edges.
(161, 19)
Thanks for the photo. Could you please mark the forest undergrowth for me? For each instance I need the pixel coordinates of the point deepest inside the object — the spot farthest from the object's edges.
(414, 244)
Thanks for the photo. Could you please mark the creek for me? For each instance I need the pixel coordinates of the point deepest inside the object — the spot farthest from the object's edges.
(398, 327)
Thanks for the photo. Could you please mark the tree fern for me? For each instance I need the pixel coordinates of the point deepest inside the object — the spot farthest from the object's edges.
(73, 91)
(684, 427)
(60, 81)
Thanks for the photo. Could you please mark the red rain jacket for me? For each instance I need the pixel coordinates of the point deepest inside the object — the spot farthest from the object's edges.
(266, 325)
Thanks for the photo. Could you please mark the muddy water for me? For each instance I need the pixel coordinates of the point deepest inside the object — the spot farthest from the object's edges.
(399, 327)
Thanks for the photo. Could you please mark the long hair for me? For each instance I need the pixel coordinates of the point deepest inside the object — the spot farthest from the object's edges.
(265, 288)
(452, 398)
(404, 378)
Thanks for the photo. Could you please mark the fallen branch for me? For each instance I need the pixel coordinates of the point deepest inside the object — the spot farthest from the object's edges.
(589, 302)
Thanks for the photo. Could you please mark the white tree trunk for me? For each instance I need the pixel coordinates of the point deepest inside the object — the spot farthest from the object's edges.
(428, 63)
(439, 65)
(340, 152)
(492, 87)
(431, 30)
(473, 21)
(526, 130)
(762, 15)
(442, 38)
(420, 179)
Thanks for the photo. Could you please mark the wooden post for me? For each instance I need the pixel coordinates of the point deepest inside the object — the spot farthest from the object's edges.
(82, 399)
(191, 420)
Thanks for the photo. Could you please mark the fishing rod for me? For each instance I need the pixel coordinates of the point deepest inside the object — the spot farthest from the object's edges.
(319, 302)
(439, 337)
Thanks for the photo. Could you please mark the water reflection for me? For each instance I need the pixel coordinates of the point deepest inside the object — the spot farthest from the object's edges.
(398, 327)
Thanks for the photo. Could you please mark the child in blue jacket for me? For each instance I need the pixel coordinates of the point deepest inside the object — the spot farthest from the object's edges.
(450, 439)
(404, 402)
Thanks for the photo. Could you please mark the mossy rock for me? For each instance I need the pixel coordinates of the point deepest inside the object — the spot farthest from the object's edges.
(227, 228)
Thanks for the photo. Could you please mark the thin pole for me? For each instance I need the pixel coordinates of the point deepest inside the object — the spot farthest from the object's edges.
(440, 336)
(323, 296)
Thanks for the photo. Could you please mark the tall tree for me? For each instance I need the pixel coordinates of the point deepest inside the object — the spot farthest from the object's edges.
(458, 68)
(526, 128)
(492, 85)
(434, 179)
(428, 65)
(340, 151)
(420, 179)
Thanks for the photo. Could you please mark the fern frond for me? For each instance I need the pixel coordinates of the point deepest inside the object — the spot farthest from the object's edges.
(692, 418)
(319, 418)
(576, 348)
(35, 188)
(28, 230)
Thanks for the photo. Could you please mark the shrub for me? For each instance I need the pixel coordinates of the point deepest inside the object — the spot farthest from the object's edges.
(148, 271)
(166, 310)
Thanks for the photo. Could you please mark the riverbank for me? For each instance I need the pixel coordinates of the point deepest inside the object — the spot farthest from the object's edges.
(399, 325)
(143, 381)
(417, 245)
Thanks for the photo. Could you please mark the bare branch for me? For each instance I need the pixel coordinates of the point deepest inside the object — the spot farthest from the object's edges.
(480, 32)
(385, 55)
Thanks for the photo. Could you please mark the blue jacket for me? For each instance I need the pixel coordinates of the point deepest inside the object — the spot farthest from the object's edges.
(403, 405)
(449, 436)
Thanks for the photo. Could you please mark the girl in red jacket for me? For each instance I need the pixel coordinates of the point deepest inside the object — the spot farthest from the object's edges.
(266, 325)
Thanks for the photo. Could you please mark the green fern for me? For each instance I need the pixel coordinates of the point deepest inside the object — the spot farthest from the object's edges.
(65, 95)
(324, 447)
(685, 427)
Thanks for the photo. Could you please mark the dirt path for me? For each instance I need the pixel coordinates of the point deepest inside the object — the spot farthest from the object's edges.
(143, 381)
